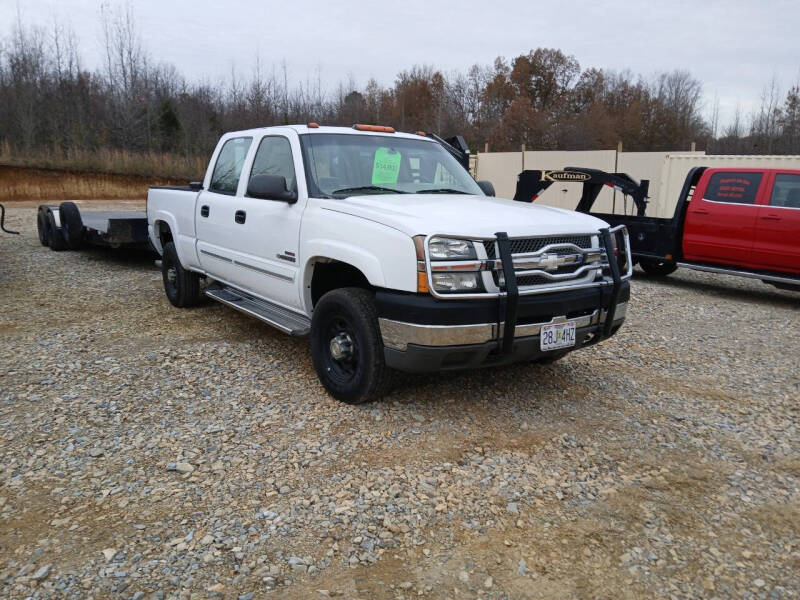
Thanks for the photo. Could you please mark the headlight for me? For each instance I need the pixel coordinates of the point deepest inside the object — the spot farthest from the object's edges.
(451, 249)
(457, 282)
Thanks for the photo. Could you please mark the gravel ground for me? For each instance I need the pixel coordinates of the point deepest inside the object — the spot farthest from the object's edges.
(151, 452)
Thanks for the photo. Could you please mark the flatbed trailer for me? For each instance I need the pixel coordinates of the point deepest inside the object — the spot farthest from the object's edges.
(65, 227)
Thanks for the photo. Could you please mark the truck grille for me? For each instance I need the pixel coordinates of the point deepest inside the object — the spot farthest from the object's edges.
(527, 245)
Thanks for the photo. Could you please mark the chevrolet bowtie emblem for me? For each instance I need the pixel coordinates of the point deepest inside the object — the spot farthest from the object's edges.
(551, 262)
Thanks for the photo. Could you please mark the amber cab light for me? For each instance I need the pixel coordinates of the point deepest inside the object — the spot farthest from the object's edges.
(378, 128)
(313, 125)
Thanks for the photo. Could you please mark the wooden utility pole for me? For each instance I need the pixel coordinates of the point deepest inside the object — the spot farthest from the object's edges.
(619, 146)
(694, 145)
(523, 157)
(486, 147)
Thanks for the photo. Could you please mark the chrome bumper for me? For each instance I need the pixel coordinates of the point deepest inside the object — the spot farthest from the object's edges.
(398, 335)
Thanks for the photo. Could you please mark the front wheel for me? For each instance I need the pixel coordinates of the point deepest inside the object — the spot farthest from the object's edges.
(347, 347)
(657, 268)
(182, 286)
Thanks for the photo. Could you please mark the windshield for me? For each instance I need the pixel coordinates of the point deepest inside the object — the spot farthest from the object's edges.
(340, 165)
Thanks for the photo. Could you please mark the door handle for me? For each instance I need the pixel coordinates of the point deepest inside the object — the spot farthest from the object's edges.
(240, 217)
(771, 217)
(204, 211)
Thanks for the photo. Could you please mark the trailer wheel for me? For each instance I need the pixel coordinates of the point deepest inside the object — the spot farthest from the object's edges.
(657, 268)
(347, 348)
(55, 237)
(41, 227)
(182, 286)
(71, 225)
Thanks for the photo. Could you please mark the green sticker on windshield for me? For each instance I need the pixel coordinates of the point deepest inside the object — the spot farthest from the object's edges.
(386, 166)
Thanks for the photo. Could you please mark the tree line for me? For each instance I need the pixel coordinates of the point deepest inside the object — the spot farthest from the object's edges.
(53, 106)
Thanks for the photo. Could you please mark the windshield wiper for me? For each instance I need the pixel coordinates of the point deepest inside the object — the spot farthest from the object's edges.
(368, 188)
(441, 191)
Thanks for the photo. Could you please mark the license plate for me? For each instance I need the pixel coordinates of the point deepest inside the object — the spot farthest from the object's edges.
(560, 335)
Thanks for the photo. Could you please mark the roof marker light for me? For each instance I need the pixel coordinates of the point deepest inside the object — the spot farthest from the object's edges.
(378, 128)
(313, 125)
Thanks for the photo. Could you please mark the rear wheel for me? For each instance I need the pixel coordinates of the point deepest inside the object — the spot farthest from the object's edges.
(347, 347)
(181, 286)
(71, 225)
(657, 268)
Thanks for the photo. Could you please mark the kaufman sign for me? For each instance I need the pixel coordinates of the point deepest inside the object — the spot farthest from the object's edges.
(564, 176)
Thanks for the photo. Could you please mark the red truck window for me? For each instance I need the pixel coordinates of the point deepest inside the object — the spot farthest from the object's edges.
(736, 188)
(786, 191)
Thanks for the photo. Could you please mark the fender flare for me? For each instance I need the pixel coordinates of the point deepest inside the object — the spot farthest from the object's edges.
(350, 254)
(169, 220)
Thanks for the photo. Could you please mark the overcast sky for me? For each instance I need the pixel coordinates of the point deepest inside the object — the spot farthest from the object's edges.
(734, 47)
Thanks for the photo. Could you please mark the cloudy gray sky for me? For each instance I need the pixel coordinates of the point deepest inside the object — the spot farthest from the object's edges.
(734, 47)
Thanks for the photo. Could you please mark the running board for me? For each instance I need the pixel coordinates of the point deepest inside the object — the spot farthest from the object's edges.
(752, 275)
(279, 317)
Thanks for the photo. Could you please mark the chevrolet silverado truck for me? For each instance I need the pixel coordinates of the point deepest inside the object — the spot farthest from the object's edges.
(382, 248)
(736, 221)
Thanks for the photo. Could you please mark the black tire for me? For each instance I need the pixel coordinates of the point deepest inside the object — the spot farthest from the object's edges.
(55, 239)
(657, 268)
(348, 316)
(41, 227)
(182, 286)
(71, 225)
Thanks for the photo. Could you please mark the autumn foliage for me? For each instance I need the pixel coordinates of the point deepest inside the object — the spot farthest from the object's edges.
(56, 111)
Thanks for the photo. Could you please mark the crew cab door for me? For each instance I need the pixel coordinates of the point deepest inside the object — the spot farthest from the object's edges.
(721, 217)
(777, 238)
(267, 233)
(215, 211)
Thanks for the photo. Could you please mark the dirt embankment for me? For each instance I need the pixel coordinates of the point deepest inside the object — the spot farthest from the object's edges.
(27, 183)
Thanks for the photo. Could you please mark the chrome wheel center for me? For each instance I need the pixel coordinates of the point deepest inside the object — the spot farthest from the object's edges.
(341, 347)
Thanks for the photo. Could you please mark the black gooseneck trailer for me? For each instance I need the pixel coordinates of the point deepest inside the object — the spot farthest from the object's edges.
(656, 243)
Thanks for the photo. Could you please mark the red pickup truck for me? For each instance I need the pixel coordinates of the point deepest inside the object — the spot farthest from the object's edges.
(736, 221)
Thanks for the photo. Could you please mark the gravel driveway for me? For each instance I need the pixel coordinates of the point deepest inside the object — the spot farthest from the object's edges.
(151, 452)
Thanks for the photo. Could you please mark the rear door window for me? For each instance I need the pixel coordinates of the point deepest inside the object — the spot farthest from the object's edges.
(733, 188)
(786, 191)
(225, 178)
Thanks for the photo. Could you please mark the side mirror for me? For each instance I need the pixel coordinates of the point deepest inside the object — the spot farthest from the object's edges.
(195, 185)
(487, 187)
(270, 187)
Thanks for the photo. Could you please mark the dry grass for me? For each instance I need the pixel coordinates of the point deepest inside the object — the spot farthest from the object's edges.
(44, 185)
(110, 161)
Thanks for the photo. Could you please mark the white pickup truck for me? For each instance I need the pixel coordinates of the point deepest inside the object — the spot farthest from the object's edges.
(382, 248)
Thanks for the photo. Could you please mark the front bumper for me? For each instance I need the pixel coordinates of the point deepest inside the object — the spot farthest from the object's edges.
(398, 335)
(422, 334)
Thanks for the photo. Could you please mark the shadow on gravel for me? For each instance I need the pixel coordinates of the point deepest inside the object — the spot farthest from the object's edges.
(477, 384)
(127, 257)
(767, 294)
